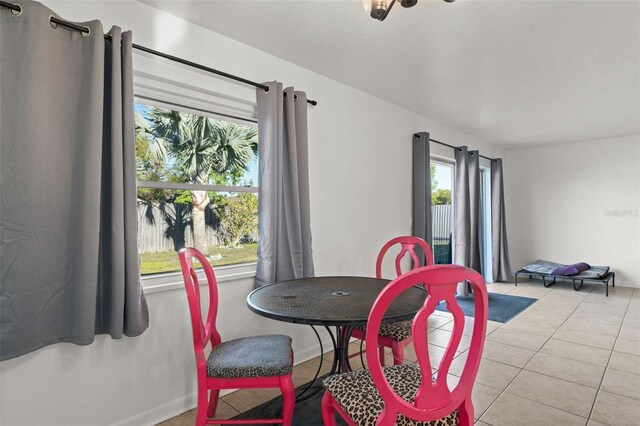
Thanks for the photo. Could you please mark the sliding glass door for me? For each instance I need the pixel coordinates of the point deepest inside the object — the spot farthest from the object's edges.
(485, 200)
(442, 177)
(442, 210)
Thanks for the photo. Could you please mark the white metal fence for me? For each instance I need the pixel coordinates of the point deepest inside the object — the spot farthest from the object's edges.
(441, 219)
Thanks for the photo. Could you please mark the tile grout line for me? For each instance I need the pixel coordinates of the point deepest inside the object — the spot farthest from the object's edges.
(564, 380)
(516, 376)
(546, 405)
(524, 397)
(628, 305)
(456, 356)
(487, 409)
(539, 350)
(610, 355)
(522, 368)
(577, 360)
(556, 338)
(603, 373)
(501, 392)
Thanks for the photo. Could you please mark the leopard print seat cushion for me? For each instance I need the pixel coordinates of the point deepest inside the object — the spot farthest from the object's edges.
(397, 331)
(258, 356)
(359, 398)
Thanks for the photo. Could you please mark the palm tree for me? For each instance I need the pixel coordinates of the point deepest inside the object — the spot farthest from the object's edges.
(204, 150)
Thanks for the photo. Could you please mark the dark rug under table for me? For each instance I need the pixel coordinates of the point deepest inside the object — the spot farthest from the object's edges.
(502, 307)
(306, 413)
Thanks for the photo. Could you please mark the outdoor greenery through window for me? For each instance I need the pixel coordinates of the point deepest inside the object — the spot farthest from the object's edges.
(197, 186)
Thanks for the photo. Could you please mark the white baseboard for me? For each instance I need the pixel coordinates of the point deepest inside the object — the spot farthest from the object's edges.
(162, 412)
(311, 352)
(178, 406)
(630, 285)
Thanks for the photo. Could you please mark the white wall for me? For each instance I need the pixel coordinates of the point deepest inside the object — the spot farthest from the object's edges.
(576, 202)
(360, 161)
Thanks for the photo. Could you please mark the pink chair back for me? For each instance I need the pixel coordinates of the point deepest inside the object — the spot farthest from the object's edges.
(434, 400)
(203, 332)
(407, 245)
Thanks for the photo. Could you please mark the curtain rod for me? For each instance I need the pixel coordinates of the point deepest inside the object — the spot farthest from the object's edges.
(85, 30)
(455, 147)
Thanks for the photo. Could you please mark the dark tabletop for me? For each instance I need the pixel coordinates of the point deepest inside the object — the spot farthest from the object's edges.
(330, 301)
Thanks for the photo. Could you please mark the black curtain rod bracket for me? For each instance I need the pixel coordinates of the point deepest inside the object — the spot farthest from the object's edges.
(13, 7)
(85, 32)
(455, 147)
(295, 98)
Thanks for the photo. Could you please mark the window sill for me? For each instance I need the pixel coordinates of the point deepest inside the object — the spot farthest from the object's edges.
(158, 283)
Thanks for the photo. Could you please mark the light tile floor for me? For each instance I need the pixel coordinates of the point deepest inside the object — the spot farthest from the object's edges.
(573, 357)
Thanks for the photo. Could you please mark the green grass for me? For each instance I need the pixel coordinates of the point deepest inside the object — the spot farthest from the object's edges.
(167, 261)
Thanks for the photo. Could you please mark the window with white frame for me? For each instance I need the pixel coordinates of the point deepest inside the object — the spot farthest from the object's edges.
(197, 186)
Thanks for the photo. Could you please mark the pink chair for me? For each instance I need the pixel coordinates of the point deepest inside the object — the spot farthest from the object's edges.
(406, 394)
(250, 362)
(396, 335)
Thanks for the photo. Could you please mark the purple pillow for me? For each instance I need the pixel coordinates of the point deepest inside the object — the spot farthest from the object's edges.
(581, 266)
(568, 270)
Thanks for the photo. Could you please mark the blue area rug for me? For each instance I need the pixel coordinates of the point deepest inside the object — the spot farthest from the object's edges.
(502, 307)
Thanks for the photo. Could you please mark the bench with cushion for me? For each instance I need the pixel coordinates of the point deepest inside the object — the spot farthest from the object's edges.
(553, 271)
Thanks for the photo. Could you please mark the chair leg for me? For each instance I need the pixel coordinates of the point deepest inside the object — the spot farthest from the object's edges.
(288, 399)
(397, 348)
(214, 394)
(328, 412)
(381, 354)
(201, 414)
(465, 412)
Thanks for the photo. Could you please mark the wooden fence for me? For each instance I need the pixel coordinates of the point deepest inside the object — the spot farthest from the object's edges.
(165, 227)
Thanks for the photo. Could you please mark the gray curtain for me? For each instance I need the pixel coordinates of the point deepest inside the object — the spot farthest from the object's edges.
(475, 212)
(69, 259)
(422, 226)
(467, 212)
(284, 240)
(461, 213)
(499, 248)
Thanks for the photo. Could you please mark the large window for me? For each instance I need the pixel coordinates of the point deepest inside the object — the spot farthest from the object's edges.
(197, 186)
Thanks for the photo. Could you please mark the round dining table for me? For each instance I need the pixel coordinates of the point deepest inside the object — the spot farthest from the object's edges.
(342, 302)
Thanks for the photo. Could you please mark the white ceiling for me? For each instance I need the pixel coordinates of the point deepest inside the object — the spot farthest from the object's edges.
(514, 73)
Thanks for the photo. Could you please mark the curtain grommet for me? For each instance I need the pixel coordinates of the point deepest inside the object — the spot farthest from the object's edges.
(53, 24)
(16, 12)
(87, 34)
